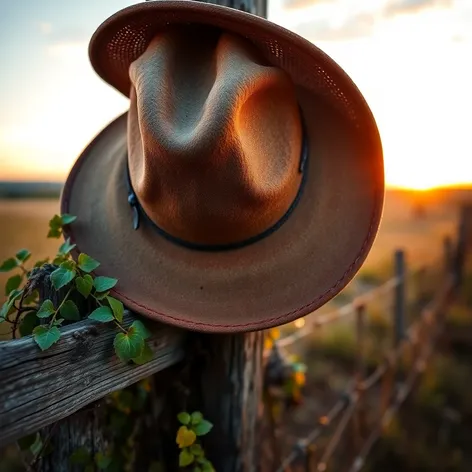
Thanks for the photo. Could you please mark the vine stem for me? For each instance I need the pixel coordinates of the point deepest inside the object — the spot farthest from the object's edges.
(119, 326)
(45, 444)
(114, 319)
(60, 306)
(19, 312)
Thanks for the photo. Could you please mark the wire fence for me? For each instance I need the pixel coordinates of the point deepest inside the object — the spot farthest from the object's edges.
(422, 309)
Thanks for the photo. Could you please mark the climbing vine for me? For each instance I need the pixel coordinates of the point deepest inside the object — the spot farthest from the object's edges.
(285, 378)
(192, 454)
(23, 312)
(75, 285)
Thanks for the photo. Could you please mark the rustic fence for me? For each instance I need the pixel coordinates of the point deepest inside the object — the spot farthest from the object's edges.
(411, 347)
(61, 391)
(355, 419)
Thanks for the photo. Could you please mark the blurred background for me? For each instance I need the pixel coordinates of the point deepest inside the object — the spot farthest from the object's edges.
(410, 59)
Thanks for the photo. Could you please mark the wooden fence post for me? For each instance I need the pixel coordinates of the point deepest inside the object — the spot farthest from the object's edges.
(227, 384)
(464, 243)
(400, 299)
(399, 310)
(231, 381)
(358, 422)
(448, 254)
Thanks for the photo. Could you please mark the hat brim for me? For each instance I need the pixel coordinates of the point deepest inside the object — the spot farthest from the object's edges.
(278, 279)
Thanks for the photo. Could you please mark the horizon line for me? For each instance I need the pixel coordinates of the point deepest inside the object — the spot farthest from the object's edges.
(458, 186)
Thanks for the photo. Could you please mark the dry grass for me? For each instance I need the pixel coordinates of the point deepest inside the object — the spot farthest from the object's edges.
(420, 236)
(24, 224)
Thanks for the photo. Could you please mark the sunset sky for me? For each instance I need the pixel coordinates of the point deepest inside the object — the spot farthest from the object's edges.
(410, 58)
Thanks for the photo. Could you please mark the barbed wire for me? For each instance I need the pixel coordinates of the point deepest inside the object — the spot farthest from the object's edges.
(420, 336)
(351, 307)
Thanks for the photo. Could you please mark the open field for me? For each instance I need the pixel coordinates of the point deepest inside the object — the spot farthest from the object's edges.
(24, 224)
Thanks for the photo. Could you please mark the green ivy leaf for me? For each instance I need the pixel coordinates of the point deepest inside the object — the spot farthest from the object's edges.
(145, 356)
(54, 233)
(102, 460)
(140, 329)
(67, 219)
(80, 457)
(58, 260)
(37, 446)
(66, 247)
(46, 309)
(62, 276)
(15, 294)
(6, 307)
(69, 311)
(55, 227)
(196, 450)
(101, 296)
(196, 417)
(41, 262)
(84, 285)
(128, 345)
(55, 222)
(102, 314)
(202, 428)
(28, 323)
(86, 263)
(102, 284)
(31, 299)
(8, 264)
(13, 283)
(23, 255)
(46, 336)
(117, 308)
(184, 418)
(185, 458)
(69, 264)
(207, 466)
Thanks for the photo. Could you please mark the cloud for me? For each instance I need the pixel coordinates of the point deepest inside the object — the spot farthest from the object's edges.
(69, 35)
(300, 4)
(63, 33)
(45, 28)
(354, 27)
(406, 7)
(458, 38)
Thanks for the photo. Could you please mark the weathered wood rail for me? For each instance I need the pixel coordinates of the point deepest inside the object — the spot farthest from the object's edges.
(41, 387)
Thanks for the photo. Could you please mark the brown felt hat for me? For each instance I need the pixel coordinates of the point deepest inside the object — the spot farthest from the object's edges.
(244, 187)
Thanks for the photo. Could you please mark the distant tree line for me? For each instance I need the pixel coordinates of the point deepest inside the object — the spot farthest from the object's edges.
(30, 189)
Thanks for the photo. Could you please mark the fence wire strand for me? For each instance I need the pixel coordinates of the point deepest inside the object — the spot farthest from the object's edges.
(344, 409)
(350, 308)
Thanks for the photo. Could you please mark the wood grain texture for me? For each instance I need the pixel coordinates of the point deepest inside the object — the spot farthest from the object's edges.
(231, 392)
(81, 430)
(38, 388)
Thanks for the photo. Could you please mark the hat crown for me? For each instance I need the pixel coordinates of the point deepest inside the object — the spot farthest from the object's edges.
(214, 137)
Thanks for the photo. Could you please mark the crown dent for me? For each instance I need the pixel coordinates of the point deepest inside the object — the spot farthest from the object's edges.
(207, 134)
